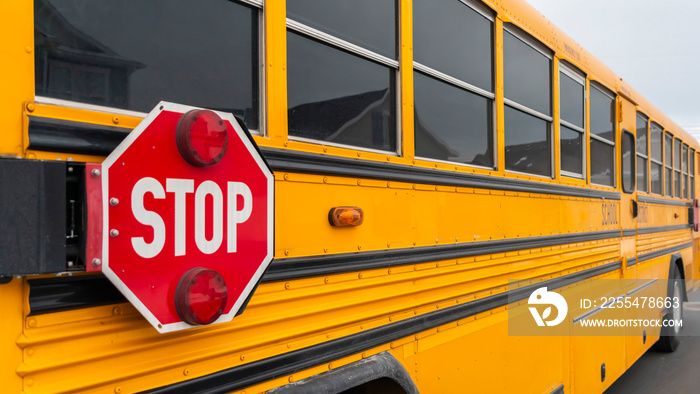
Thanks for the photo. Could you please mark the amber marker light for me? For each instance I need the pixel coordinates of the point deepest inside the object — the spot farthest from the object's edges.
(346, 216)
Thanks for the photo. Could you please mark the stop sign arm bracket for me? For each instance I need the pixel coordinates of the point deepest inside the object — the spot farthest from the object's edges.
(95, 215)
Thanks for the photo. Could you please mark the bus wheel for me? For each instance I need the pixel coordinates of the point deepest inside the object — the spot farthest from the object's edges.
(670, 334)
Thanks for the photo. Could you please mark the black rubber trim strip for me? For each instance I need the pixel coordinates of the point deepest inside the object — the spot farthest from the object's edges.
(663, 201)
(238, 378)
(65, 293)
(632, 261)
(659, 253)
(57, 135)
(311, 163)
(662, 229)
(629, 232)
(71, 292)
(558, 390)
(302, 267)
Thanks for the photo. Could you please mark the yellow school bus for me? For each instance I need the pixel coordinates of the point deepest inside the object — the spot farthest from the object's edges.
(478, 142)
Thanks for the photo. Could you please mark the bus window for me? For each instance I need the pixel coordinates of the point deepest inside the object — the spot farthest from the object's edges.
(132, 54)
(685, 171)
(642, 152)
(668, 160)
(453, 88)
(528, 110)
(572, 107)
(677, 167)
(602, 126)
(691, 170)
(342, 74)
(656, 159)
(628, 172)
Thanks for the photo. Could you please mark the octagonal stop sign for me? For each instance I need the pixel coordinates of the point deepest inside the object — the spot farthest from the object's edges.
(186, 217)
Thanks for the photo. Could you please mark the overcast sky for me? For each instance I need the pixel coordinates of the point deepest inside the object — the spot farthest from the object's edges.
(653, 45)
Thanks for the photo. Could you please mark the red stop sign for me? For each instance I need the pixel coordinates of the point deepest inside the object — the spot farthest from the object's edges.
(164, 217)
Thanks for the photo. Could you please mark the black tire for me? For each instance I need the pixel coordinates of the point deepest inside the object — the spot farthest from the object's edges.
(670, 336)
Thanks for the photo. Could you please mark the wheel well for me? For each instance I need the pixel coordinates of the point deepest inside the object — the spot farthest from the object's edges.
(678, 261)
(381, 385)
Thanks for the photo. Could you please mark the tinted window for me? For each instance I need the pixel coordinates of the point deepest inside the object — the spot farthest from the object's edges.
(656, 146)
(571, 96)
(368, 23)
(677, 154)
(641, 173)
(527, 142)
(527, 75)
(571, 148)
(656, 171)
(452, 124)
(602, 163)
(668, 160)
(641, 135)
(628, 155)
(602, 115)
(691, 170)
(338, 97)
(685, 159)
(446, 36)
(131, 54)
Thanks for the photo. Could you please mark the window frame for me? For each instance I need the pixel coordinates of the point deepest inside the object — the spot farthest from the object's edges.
(262, 82)
(548, 53)
(685, 186)
(324, 38)
(579, 77)
(612, 96)
(650, 124)
(677, 163)
(633, 160)
(691, 172)
(460, 84)
(668, 163)
(646, 157)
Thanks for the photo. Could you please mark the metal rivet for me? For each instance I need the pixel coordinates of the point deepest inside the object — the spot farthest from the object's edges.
(70, 263)
(113, 232)
(115, 119)
(95, 173)
(186, 372)
(32, 323)
(96, 262)
(286, 252)
(113, 201)
(242, 357)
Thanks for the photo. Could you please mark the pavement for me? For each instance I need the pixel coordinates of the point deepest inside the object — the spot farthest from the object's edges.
(660, 373)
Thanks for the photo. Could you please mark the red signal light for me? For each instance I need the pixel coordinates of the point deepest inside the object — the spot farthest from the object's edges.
(202, 137)
(201, 296)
